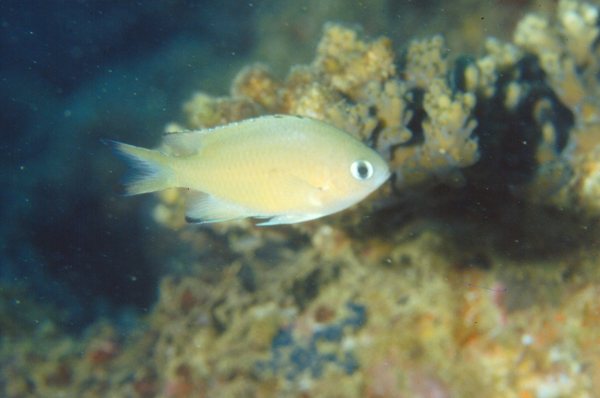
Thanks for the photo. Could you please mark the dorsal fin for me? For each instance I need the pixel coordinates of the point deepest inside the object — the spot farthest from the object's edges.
(185, 143)
(190, 142)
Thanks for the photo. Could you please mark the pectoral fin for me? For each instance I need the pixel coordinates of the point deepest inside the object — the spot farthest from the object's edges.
(295, 185)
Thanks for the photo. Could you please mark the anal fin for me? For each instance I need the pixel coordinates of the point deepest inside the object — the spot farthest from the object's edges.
(203, 208)
(290, 219)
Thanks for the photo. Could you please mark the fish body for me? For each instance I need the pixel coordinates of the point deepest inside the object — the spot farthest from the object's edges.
(286, 168)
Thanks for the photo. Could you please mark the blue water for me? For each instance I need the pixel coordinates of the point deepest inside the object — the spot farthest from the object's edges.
(71, 73)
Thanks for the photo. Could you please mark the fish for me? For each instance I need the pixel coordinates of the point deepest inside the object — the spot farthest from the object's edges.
(283, 168)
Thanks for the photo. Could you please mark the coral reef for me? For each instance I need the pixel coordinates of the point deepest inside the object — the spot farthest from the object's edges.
(519, 118)
(488, 288)
(407, 317)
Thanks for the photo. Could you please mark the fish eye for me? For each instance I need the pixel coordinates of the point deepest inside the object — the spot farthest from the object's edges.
(361, 170)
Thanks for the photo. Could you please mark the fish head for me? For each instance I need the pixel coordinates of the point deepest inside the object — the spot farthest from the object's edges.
(366, 172)
(358, 172)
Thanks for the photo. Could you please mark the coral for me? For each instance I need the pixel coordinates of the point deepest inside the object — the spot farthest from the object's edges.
(519, 121)
(425, 60)
(481, 277)
(293, 358)
(448, 144)
(204, 111)
(256, 83)
(511, 119)
(347, 63)
(412, 318)
(352, 84)
(579, 29)
(563, 48)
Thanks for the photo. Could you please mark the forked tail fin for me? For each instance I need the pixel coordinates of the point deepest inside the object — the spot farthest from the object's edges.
(150, 170)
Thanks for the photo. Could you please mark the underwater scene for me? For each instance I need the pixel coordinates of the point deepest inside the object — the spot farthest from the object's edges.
(315, 198)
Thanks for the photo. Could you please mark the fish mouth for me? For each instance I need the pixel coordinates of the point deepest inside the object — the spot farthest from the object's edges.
(385, 177)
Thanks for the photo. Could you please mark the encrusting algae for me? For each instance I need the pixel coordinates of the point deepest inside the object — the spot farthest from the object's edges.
(474, 273)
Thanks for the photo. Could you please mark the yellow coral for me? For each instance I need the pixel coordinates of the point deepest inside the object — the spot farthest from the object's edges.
(447, 130)
(256, 83)
(426, 60)
(579, 28)
(534, 33)
(499, 56)
(347, 62)
(205, 111)
(352, 84)
(564, 47)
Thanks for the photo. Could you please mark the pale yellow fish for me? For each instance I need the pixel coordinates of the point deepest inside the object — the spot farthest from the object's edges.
(286, 168)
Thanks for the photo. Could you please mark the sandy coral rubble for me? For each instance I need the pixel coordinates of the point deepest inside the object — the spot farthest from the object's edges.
(371, 320)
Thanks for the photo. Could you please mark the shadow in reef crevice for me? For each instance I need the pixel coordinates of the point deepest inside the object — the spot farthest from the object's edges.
(476, 220)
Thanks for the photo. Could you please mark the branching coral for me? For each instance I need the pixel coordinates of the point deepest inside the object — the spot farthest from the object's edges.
(505, 120)
(565, 49)
(448, 143)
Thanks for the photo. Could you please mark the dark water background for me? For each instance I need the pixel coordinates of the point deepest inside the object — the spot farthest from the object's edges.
(72, 72)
